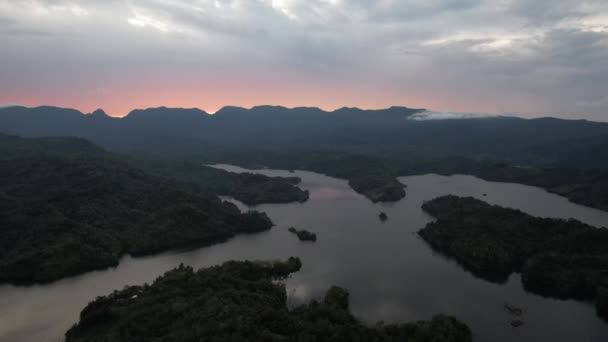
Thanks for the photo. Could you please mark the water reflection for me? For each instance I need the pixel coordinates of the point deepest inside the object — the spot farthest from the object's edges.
(391, 273)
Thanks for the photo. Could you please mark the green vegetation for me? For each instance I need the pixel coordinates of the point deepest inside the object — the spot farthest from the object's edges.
(372, 177)
(559, 258)
(588, 187)
(16, 147)
(368, 176)
(239, 301)
(248, 188)
(63, 217)
(369, 148)
(376, 177)
(64, 212)
(303, 235)
(382, 216)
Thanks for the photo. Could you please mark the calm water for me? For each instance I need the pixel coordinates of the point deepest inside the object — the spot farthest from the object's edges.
(392, 275)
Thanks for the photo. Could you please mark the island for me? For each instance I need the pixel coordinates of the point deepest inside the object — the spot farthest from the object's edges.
(378, 188)
(516, 315)
(556, 257)
(67, 207)
(240, 301)
(585, 186)
(303, 235)
(382, 216)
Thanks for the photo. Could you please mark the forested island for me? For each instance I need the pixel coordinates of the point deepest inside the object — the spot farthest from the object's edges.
(382, 216)
(63, 217)
(558, 258)
(69, 207)
(239, 301)
(303, 234)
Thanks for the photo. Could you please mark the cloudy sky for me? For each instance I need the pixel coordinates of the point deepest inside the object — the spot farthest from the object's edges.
(531, 57)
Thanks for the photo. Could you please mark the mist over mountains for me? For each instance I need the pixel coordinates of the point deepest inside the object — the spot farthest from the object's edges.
(431, 115)
(396, 132)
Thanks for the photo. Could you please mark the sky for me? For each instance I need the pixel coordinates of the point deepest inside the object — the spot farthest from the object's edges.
(529, 57)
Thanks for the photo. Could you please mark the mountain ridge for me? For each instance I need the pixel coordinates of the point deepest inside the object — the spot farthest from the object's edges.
(224, 108)
(392, 132)
(204, 113)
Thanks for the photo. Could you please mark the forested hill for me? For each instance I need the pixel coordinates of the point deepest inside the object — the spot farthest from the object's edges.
(16, 147)
(559, 258)
(240, 301)
(248, 188)
(390, 133)
(369, 148)
(67, 207)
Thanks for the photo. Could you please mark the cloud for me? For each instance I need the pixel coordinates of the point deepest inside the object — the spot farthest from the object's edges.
(430, 115)
(532, 57)
(103, 92)
(7, 105)
(601, 102)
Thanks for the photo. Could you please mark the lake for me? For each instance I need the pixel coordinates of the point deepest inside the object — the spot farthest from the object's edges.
(392, 275)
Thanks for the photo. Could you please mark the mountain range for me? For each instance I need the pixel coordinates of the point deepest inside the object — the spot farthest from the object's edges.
(388, 132)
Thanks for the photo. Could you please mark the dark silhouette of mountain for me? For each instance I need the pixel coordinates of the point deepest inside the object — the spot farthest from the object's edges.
(164, 121)
(12, 146)
(387, 132)
(99, 114)
(41, 121)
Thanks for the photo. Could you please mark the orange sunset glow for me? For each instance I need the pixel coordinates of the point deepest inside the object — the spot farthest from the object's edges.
(462, 56)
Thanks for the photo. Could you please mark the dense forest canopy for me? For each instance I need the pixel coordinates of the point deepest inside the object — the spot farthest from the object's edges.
(560, 258)
(372, 177)
(240, 301)
(376, 177)
(68, 207)
(249, 188)
(588, 187)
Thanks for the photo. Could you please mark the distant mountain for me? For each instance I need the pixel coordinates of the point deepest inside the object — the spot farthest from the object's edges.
(388, 132)
(100, 114)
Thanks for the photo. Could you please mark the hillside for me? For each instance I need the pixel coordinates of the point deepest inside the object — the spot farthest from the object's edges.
(239, 301)
(70, 210)
(387, 132)
(559, 258)
(369, 148)
(249, 188)
(371, 177)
